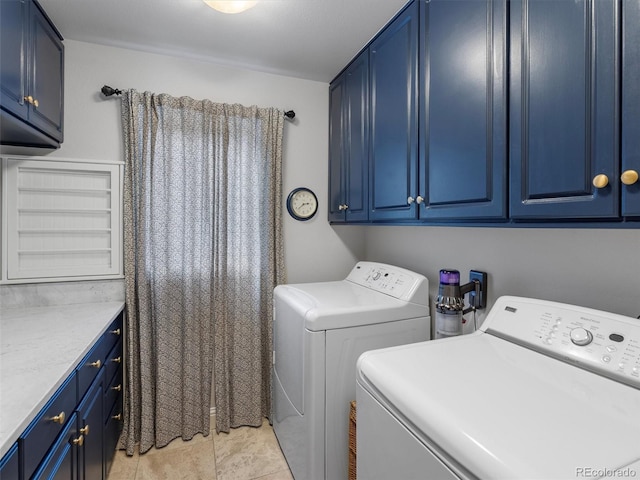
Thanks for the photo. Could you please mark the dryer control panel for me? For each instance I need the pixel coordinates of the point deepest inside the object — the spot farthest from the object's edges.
(605, 343)
(394, 281)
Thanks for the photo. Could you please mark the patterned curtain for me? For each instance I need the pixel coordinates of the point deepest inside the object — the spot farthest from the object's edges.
(203, 252)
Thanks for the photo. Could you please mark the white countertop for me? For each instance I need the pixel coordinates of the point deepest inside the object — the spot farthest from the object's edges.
(39, 348)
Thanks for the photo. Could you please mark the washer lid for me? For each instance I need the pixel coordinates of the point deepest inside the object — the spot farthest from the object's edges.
(498, 410)
(329, 305)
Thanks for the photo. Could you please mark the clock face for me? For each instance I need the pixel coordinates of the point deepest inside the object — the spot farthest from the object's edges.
(302, 204)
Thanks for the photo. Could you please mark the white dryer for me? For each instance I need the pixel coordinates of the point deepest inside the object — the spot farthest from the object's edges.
(543, 390)
(320, 330)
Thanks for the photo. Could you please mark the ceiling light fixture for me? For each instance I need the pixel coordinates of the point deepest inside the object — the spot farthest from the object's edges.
(231, 6)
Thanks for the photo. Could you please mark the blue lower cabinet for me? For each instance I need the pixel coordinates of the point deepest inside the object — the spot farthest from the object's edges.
(9, 465)
(75, 434)
(61, 463)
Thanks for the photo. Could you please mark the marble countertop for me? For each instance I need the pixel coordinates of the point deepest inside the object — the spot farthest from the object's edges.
(39, 348)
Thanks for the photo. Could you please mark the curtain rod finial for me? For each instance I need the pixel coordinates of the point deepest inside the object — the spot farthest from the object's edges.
(107, 91)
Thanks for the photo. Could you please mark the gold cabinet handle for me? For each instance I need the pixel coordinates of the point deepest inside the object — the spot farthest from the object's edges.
(629, 177)
(79, 441)
(600, 181)
(117, 417)
(419, 199)
(36, 103)
(59, 418)
(96, 364)
(85, 430)
(410, 200)
(117, 360)
(29, 99)
(115, 332)
(117, 388)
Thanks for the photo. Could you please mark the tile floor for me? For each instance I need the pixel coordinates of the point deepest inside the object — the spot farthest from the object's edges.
(245, 453)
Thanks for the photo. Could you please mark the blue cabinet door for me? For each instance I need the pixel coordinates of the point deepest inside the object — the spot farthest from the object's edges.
(564, 112)
(357, 144)
(91, 426)
(13, 50)
(463, 122)
(348, 143)
(631, 107)
(393, 58)
(336, 150)
(47, 76)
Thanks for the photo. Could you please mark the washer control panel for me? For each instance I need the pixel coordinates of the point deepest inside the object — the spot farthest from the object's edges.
(605, 343)
(394, 281)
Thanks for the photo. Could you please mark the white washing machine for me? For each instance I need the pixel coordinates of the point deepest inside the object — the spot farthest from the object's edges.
(320, 330)
(543, 390)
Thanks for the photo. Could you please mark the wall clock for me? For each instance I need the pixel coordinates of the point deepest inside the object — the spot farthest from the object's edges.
(302, 204)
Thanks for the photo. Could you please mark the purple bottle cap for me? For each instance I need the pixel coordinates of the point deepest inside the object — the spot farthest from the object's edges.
(449, 277)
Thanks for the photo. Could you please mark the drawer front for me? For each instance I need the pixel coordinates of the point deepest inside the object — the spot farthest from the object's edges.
(42, 432)
(61, 463)
(90, 366)
(113, 363)
(112, 393)
(112, 433)
(9, 464)
(113, 334)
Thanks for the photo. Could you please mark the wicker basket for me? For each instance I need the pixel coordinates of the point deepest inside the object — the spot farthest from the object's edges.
(352, 441)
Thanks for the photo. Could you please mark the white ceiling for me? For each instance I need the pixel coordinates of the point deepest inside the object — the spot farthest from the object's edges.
(311, 39)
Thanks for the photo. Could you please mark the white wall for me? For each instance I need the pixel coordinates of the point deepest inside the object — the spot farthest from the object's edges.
(597, 268)
(314, 251)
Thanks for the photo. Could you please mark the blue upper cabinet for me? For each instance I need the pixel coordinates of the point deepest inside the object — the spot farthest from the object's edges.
(630, 108)
(31, 76)
(564, 114)
(463, 103)
(393, 57)
(349, 143)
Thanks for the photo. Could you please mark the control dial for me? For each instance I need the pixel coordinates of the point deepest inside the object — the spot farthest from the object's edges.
(581, 336)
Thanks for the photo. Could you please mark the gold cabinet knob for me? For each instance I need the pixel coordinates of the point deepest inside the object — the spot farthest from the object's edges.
(29, 99)
(419, 199)
(115, 332)
(410, 200)
(600, 181)
(85, 430)
(117, 417)
(79, 441)
(59, 418)
(36, 103)
(117, 388)
(96, 364)
(629, 177)
(117, 360)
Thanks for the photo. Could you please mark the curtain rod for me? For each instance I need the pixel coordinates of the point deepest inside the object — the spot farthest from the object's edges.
(107, 91)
